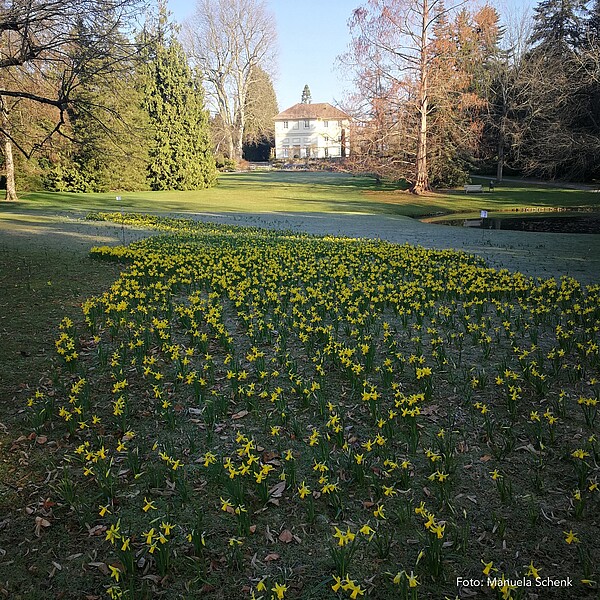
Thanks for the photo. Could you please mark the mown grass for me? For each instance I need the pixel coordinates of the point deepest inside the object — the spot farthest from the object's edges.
(311, 192)
(413, 392)
(38, 286)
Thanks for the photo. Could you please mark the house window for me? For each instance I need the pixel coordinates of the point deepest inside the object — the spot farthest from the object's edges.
(285, 124)
(325, 123)
(286, 152)
(306, 124)
(326, 138)
(326, 152)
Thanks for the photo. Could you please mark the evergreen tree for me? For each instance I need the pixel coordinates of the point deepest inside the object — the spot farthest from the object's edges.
(559, 25)
(108, 131)
(306, 96)
(261, 107)
(180, 156)
(559, 136)
(593, 24)
(462, 50)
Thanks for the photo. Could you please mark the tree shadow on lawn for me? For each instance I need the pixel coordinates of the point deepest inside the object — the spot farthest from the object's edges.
(359, 206)
(73, 235)
(325, 179)
(516, 197)
(451, 202)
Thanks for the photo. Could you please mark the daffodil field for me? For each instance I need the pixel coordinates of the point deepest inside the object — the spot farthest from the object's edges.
(254, 414)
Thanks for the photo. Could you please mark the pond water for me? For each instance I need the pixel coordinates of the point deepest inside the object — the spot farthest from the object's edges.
(585, 223)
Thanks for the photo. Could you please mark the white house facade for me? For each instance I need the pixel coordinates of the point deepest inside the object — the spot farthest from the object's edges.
(312, 131)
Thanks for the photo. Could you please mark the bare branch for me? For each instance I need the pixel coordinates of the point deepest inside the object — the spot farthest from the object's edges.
(227, 39)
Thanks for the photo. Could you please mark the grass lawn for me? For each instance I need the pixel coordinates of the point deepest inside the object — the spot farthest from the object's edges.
(415, 418)
(243, 408)
(310, 193)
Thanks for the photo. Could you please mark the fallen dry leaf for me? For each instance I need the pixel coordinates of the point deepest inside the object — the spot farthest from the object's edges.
(40, 523)
(271, 557)
(286, 536)
(101, 566)
(97, 530)
(269, 535)
(239, 415)
(268, 456)
(277, 490)
(74, 556)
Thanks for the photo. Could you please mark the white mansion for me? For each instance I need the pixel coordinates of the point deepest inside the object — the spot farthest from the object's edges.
(312, 131)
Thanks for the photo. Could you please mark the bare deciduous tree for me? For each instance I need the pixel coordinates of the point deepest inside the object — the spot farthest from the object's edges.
(228, 39)
(46, 46)
(503, 87)
(393, 38)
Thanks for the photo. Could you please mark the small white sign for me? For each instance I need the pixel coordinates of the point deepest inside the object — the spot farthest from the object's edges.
(118, 198)
(483, 214)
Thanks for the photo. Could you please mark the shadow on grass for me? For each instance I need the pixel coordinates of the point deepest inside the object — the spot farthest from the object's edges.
(359, 206)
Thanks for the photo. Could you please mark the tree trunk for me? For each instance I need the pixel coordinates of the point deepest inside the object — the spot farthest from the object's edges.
(237, 144)
(238, 132)
(422, 177)
(500, 167)
(11, 189)
(501, 139)
(230, 145)
(9, 163)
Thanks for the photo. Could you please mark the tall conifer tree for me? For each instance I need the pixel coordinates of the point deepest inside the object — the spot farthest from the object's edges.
(181, 155)
(306, 95)
(261, 107)
(559, 24)
(559, 135)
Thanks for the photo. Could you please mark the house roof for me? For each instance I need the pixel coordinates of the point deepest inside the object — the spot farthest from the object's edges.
(321, 110)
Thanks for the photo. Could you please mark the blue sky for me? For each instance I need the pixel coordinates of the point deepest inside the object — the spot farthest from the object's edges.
(311, 35)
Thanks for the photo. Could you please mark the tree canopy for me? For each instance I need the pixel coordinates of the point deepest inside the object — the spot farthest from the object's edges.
(228, 40)
(306, 95)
